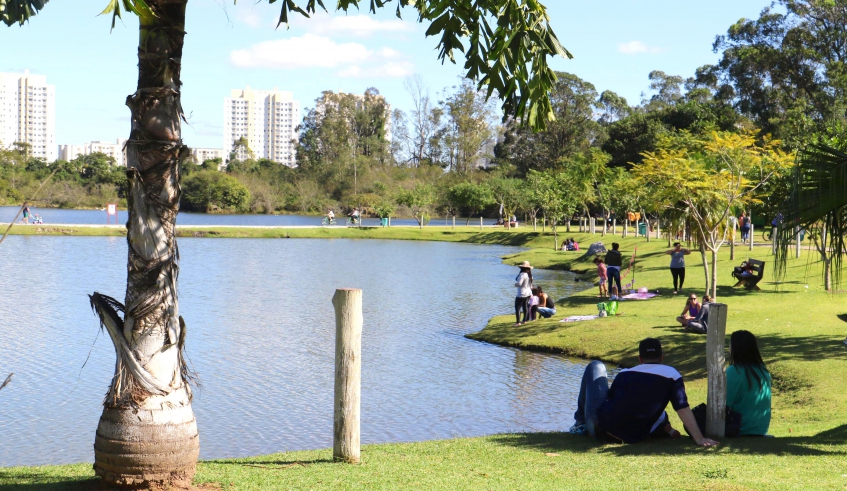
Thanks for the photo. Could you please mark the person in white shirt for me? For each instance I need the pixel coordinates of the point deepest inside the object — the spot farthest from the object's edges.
(523, 282)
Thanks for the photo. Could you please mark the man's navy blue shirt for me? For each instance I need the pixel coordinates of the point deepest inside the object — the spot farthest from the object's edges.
(637, 400)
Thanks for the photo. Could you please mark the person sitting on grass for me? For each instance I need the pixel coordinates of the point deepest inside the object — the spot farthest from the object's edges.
(700, 323)
(634, 407)
(546, 306)
(691, 310)
(601, 272)
(748, 384)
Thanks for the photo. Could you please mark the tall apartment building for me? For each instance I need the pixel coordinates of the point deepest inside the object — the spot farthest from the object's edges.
(28, 113)
(115, 150)
(268, 120)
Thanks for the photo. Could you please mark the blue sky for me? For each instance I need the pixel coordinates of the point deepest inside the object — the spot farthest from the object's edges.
(616, 43)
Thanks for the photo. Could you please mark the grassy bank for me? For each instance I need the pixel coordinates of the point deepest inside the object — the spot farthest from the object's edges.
(800, 329)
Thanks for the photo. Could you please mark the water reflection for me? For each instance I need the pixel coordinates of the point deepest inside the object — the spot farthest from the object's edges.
(260, 335)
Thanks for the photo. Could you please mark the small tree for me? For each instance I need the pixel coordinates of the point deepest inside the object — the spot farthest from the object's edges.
(472, 196)
(707, 177)
(418, 199)
(507, 193)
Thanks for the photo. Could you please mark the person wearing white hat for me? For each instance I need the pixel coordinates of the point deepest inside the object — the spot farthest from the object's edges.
(523, 282)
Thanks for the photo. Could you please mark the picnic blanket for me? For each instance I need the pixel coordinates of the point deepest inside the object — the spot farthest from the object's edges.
(638, 296)
(578, 318)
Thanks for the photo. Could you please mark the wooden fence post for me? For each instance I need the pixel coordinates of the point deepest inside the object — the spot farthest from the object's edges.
(751, 235)
(716, 398)
(348, 374)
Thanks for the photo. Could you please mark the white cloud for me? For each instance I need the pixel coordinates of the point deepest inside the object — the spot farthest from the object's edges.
(637, 47)
(352, 60)
(299, 52)
(360, 26)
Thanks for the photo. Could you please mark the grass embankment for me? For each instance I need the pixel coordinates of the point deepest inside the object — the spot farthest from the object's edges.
(800, 331)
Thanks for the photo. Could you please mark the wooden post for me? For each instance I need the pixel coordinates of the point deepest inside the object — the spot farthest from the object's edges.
(773, 240)
(751, 235)
(614, 226)
(716, 398)
(348, 374)
(797, 236)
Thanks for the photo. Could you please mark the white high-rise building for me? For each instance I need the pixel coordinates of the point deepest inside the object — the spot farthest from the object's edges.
(268, 120)
(28, 113)
(115, 150)
(201, 155)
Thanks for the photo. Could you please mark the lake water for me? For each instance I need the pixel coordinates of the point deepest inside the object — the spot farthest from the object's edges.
(97, 217)
(261, 330)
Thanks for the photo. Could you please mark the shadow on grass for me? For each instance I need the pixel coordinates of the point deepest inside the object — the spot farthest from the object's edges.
(503, 238)
(44, 482)
(271, 464)
(799, 446)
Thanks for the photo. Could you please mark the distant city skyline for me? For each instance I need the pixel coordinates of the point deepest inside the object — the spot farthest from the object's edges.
(28, 113)
(615, 43)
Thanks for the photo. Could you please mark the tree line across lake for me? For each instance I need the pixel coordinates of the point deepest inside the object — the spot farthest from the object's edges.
(691, 148)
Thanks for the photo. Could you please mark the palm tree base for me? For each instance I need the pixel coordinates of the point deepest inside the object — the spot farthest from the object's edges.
(153, 444)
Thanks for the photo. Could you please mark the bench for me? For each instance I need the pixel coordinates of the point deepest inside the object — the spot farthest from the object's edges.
(750, 282)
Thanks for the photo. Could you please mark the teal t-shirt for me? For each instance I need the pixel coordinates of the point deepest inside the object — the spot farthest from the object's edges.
(754, 403)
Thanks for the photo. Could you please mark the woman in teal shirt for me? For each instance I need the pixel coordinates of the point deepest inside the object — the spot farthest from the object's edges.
(748, 384)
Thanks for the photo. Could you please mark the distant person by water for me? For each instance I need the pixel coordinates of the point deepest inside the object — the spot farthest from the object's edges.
(25, 219)
(523, 282)
(601, 273)
(748, 384)
(614, 261)
(546, 306)
(678, 265)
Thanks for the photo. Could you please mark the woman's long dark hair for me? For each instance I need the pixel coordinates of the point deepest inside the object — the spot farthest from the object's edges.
(528, 271)
(744, 352)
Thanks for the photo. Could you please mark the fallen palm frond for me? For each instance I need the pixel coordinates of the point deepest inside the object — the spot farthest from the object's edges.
(6, 382)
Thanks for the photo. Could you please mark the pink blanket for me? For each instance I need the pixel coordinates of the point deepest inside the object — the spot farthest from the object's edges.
(638, 296)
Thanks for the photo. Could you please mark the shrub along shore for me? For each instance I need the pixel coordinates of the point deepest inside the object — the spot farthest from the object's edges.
(800, 331)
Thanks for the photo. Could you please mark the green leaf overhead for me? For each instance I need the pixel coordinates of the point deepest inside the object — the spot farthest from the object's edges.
(19, 11)
(505, 44)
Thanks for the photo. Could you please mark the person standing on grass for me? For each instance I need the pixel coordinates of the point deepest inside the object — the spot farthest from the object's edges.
(26, 215)
(748, 384)
(634, 407)
(678, 265)
(523, 282)
(601, 273)
(614, 261)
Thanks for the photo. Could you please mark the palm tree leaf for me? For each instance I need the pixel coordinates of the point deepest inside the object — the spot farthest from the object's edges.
(818, 200)
(19, 11)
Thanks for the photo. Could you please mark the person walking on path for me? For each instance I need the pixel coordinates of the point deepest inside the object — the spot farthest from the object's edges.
(614, 261)
(744, 225)
(523, 282)
(26, 215)
(678, 265)
(748, 384)
(634, 407)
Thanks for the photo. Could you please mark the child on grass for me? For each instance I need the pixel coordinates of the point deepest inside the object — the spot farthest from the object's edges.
(601, 272)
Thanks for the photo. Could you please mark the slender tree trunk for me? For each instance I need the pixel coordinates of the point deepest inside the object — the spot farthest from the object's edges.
(147, 434)
(555, 235)
(705, 264)
(714, 282)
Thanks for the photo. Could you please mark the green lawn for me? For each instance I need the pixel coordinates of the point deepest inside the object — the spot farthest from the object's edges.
(800, 331)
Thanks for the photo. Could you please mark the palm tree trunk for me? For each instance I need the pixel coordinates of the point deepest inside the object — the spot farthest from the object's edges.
(147, 434)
